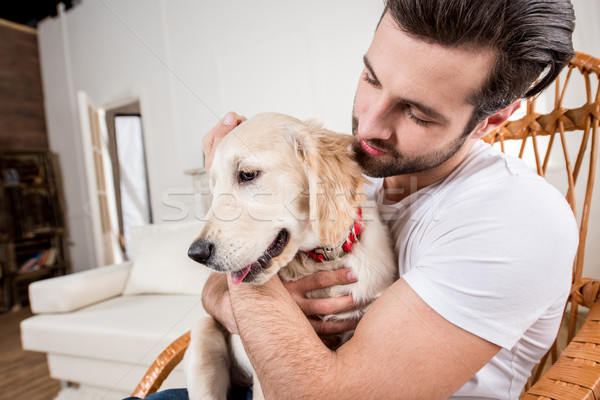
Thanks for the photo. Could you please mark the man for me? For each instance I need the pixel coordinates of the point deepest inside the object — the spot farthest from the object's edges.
(485, 246)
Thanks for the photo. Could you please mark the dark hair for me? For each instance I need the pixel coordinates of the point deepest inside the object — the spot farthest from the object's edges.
(531, 38)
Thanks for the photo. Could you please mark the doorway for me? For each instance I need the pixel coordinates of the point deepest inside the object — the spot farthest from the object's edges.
(130, 176)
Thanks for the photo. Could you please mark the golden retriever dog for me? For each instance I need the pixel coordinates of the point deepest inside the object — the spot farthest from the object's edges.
(288, 198)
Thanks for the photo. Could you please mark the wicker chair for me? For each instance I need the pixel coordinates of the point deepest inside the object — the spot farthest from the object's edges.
(576, 373)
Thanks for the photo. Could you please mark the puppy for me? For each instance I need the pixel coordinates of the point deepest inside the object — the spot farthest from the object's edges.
(288, 199)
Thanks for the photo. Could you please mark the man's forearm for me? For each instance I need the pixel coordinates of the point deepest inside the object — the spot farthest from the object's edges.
(287, 354)
(216, 302)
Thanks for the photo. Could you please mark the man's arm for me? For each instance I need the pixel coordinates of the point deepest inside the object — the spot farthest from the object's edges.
(216, 301)
(401, 348)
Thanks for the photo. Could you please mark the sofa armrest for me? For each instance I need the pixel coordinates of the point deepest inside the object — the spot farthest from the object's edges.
(71, 292)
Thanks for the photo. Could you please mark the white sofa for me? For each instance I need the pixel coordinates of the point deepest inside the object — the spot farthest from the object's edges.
(102, 328)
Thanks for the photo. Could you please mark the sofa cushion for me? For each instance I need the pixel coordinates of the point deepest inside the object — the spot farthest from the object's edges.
(70, 292)
(129, 329)
(161, 264)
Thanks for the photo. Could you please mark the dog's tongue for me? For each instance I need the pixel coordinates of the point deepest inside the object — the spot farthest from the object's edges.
(238, 276)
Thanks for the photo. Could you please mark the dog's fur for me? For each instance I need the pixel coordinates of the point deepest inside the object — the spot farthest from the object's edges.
(309, 185)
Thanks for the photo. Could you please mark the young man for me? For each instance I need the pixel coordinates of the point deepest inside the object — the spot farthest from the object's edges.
(485, 247)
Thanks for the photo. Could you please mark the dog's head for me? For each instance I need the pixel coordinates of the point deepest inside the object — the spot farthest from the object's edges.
(279, 185)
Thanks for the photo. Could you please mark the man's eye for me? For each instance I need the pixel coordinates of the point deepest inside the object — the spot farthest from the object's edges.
(418, 121)
(247, 176)
(370, 80)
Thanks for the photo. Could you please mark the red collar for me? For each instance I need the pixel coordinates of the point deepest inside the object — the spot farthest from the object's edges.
(321, 254)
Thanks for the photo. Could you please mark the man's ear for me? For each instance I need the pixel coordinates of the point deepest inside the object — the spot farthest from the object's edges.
(496, 120)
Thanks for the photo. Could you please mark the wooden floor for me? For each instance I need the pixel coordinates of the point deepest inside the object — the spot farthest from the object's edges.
(23, 374)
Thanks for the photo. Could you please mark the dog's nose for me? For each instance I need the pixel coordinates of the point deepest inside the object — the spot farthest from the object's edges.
(200, 251)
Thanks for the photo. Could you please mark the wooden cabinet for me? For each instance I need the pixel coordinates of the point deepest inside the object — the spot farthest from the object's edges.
(32, 228)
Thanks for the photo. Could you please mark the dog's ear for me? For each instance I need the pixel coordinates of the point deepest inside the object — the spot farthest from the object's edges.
(335, 180)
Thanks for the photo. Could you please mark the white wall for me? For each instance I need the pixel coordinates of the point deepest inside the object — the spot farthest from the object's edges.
(298, 58)
(287, 56)
(190, 61)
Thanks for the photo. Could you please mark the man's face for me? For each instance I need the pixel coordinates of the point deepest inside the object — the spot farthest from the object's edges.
(411, 109)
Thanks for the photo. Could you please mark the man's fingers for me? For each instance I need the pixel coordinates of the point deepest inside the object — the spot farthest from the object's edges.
(320, 280)
(327, 306)
(216, 134)
(226, 125)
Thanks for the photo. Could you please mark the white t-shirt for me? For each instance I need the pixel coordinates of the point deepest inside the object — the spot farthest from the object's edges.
(490, 248)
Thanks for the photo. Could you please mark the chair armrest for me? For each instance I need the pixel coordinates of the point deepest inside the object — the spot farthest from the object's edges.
(71, 292)
(162, 367)
(575, 375)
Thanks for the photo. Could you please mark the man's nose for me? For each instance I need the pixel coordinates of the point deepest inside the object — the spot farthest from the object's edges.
(201, 251)
(377, 121)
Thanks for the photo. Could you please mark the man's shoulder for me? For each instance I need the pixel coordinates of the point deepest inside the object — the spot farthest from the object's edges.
(486, 165)
(492, 187)
(488, 173)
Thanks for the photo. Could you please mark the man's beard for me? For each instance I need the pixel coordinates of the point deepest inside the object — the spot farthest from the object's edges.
(396, 163)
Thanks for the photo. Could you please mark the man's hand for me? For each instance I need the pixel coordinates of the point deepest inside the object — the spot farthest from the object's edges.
(314, 308)
(216, 134)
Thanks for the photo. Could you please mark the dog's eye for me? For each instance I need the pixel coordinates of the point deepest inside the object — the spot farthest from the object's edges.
(247, 176)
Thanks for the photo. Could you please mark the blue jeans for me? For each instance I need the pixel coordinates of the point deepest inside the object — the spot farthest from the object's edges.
(235, 393)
